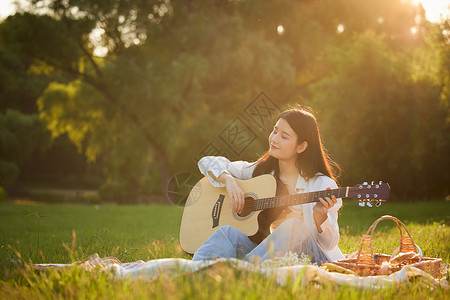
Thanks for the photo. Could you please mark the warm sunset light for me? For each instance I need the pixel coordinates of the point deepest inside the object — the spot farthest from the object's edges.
(172, 148)
(435, 9)
(6, 8)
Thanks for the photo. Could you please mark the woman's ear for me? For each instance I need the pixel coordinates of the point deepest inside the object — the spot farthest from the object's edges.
(302, 147)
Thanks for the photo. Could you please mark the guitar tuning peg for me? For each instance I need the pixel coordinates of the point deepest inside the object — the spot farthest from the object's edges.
(369, 204)
(380, 182)
(365, 183)
(361, 203)
(371, 182)
(378, 204)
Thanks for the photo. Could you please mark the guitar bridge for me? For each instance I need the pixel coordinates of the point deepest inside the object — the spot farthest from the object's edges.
(216, 210)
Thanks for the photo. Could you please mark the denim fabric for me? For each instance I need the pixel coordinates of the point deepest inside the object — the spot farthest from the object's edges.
(292, 235)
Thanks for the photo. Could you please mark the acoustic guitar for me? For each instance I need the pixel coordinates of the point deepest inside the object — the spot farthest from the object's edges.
(208, 207)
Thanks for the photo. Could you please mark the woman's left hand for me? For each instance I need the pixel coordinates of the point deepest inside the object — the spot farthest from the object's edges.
(324, 205)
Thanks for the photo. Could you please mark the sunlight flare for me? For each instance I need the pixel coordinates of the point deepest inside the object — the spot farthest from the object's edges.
(435, 9)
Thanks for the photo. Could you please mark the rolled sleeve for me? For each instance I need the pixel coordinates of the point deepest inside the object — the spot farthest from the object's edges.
(218, 165)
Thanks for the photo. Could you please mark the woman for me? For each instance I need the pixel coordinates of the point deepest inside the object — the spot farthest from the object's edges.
(297, 159)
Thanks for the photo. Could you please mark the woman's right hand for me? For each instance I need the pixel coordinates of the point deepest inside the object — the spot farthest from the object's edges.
(235, 194)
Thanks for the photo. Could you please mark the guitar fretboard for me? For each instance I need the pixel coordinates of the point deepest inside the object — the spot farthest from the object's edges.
(288, 200)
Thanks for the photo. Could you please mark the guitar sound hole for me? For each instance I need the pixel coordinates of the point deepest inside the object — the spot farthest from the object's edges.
(248, 207)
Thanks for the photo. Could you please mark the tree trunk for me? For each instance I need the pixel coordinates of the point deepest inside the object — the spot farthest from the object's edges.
(165, 172)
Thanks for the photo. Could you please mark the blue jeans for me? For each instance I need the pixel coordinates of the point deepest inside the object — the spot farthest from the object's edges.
(292, 235)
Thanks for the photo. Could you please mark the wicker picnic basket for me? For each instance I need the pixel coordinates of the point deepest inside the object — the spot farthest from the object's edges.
(367, 263)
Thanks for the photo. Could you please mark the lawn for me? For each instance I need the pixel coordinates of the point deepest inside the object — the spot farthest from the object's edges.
(66, 233)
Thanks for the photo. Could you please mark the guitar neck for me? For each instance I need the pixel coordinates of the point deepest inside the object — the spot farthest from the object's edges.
(288, 200)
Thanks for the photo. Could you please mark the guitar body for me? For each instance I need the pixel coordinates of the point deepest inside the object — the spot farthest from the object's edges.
(208, 207)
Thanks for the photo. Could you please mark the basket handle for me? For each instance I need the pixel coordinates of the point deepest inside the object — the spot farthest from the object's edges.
(365, 256)
(398, 248)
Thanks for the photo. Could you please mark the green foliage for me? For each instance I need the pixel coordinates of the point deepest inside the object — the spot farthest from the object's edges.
(160, 93)
(41, 36)
(61, 167)
(20, 135)
(67, 112)
(116, 192)
(2, 194)
(175, 73)
(384, 124)
(9, 171)
(58, 197)
(21, 82)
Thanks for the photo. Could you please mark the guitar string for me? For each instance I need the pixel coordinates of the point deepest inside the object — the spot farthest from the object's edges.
(300, 198)
(292, 199)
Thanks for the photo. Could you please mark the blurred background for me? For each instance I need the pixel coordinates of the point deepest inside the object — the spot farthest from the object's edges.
(108, 100)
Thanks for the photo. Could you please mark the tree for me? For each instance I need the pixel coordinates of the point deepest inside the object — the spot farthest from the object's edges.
(20, 135)
(174, 72)
(136, 104)
(385, 122)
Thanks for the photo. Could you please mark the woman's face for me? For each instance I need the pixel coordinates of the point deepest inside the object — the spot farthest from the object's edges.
(283, 142)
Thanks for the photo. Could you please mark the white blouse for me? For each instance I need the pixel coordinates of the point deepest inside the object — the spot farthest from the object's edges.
(327, 240)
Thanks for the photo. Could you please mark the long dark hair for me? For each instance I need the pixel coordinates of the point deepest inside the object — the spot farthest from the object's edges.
(314, 159)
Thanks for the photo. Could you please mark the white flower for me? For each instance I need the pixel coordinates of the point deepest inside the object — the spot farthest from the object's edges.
(289, 259)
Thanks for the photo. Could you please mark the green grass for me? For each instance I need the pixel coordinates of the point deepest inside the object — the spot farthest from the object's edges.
(108, 230)
(66, 233)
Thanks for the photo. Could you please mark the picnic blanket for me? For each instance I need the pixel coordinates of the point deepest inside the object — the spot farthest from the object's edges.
(309, 273)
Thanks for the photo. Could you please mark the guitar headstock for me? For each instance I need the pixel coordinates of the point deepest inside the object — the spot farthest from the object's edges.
(367, 193)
